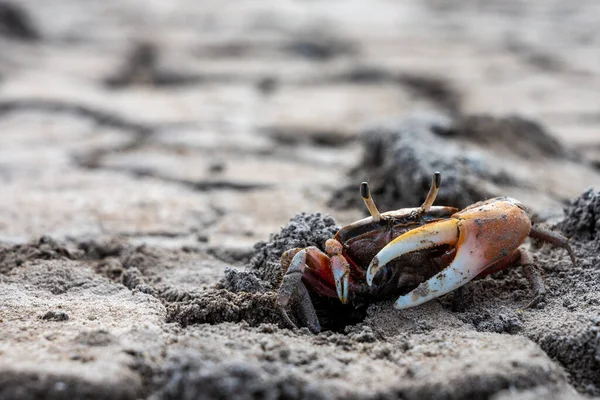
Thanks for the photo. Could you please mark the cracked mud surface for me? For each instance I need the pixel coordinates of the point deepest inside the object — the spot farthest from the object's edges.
(156, 160)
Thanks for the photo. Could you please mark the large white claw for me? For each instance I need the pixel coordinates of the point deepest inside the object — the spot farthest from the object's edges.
(424, 237)
(469, 262)
(482, 234)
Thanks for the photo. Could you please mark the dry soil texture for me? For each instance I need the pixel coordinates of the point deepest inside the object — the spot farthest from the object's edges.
(151, 152)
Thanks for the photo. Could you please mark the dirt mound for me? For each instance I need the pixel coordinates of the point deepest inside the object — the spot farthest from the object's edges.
(399, 158)
(45, 248)
(514, 133)
(582, 219)
(471, 152)
(301, 231)
(217, 306)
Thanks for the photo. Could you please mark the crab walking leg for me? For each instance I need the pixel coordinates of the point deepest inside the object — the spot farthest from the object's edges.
(424, 237)
(436, 181)
(292, 288)
(533, 276)
(537, 232)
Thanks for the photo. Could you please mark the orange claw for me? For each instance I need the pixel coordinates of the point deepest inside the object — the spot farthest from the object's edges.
(483, 234)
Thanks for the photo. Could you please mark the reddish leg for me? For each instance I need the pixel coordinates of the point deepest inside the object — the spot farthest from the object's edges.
(294, 263)
(325, 275)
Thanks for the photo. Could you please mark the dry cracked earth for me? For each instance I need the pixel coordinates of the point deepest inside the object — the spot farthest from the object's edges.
(156, 159)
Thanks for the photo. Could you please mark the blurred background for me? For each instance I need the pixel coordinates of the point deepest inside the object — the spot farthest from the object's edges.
(213, 122)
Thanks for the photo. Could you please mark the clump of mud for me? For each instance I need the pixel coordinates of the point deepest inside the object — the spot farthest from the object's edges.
(218, 306)
(243, 281)
(302, 231)
(582, 219)
(45, 248)
(263, 274)
(16, 23)
(516, 134)
(400, 157)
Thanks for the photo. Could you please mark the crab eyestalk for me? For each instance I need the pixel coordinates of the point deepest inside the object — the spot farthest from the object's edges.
(436, 181)
(366, 195)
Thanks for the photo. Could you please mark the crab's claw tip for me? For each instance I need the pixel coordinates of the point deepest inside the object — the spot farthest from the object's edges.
(373, 269)
(341, 286)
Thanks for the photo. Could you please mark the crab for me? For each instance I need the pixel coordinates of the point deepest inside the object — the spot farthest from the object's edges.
(418, 254)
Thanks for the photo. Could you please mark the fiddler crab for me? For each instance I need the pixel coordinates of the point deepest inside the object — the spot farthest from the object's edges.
(418, 253)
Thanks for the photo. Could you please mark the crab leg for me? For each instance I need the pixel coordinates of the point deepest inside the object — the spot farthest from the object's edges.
(482, 235)
(554, 238)
(319, 271)
(292, 288)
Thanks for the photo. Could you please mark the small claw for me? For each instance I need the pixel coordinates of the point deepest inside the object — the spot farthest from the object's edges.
(341, 276)
(424, 237)
(339, 267)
